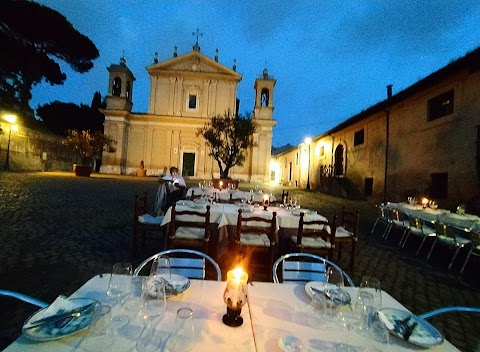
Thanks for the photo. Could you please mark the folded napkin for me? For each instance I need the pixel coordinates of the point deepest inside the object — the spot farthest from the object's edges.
(61, 305)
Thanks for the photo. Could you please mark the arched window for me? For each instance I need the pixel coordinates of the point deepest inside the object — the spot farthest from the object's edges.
(117, 86)
(128, 90)
(265, 97)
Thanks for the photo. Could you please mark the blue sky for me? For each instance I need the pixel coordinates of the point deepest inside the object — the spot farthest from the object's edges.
(331, 59)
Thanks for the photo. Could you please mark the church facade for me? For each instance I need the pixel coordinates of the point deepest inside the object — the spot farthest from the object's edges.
(185, 92)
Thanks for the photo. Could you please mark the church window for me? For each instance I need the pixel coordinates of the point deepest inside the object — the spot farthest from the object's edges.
(265, 96)
(128, 90)
(117, 86)
(192, 101)
(440, 106)
(322, 150)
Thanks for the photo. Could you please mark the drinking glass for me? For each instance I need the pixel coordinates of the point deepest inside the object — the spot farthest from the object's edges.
(372, 285)
(368, 302)
(119, 288)
(154, 304)
(161, 268)
(183, 339)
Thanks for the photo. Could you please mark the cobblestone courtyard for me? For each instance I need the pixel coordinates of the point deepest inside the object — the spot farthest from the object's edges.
(57, 231)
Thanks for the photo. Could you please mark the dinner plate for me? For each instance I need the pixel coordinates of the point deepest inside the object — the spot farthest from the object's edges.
(342, 298)
(177, 284)
(291, 344)
(423, 335)
(57, 329)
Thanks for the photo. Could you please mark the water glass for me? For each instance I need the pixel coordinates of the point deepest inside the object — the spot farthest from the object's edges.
(372, 285)
(119, 288)
(161, 268)
(183, 339)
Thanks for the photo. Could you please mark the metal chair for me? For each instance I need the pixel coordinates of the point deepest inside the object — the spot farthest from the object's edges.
(447, 235)
(256, 235)
(381, 217)
(398, 221)
(420, 229)
(194, 232)
(315, 236)
(24, 298)
(186, 262)
(347, 232)
(304, 267)
(144, 222)
(474, 249)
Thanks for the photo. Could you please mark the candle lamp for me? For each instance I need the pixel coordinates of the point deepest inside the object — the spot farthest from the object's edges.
(220, 185)
(235, 296)
(424, 203)
(266, 201)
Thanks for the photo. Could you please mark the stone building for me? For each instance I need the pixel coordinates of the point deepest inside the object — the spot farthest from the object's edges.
(185, 91)
(422, 141)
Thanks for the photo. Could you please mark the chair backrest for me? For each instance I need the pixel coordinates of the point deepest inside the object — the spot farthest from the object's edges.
(444, 230)
(350, 220)
(324, 229)
(178, 220)
(23, 297)
(194, 196)
(304, 267)
(394, 214)
(187, 262)
(381, 211)
(257, 225)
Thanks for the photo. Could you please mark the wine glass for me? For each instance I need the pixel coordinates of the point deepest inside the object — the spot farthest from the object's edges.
(118, 289)
(161, 268)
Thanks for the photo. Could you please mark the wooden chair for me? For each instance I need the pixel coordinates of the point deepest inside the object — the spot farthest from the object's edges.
(194, 196)
(190, 228)
(256, 236)
(347, 232)
(186, 262)
(304, 267)
(144, 222)
(315, 237)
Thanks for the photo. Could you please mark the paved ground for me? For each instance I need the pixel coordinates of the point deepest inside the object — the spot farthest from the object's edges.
(57, 231)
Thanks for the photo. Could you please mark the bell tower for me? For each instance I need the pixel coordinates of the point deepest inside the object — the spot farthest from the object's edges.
(264, 96)
(120, 87)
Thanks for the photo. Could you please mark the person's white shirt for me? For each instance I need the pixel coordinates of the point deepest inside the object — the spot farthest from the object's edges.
(175, 182)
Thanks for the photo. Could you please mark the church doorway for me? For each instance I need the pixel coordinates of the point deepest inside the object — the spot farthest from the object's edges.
(339, 160)
(188, 165)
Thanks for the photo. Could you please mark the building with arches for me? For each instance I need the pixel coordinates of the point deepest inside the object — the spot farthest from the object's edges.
(422, 141)
(185, 91)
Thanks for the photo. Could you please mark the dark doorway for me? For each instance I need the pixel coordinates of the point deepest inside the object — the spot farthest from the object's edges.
(368, 186)
(188, 168)
(339, 160)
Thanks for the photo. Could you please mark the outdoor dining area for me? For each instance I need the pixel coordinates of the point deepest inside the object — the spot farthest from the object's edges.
(238, 271)
(457, 231)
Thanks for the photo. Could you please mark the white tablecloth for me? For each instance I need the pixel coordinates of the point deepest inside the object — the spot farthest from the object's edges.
(224, 194)
(281, 310)
(204, 297)
(465, 222)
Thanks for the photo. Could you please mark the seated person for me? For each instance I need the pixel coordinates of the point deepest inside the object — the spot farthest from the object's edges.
(176, 187)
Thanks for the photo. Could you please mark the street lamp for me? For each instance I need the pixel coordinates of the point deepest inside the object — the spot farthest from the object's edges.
(12, 119)
(308, 141)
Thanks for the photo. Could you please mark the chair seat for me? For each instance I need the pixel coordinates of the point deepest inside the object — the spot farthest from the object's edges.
(400, 223)
(342, 232)
(150, 220)
(250, 239)
(194, 233)
(424, 231)
(459, 241)
(312, 242)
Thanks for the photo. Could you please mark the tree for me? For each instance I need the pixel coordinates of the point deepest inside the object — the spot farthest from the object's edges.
(88, 144)
(31, 36)
(228, 137)
(60, 117)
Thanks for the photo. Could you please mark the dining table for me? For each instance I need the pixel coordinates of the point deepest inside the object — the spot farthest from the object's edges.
(275, 317)
(464, 222)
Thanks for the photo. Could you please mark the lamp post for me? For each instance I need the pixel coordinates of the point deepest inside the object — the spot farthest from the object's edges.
(12, 119)
(308, 141)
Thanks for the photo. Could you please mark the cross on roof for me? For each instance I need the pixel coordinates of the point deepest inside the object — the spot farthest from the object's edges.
(198, 34)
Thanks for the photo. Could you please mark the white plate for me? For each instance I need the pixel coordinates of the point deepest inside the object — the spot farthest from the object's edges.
(47, 332)
(180, 284)
(424, 334)
(291, 344)
(312, 287)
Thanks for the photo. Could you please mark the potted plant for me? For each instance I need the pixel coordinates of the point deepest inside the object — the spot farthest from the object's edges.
(87, 145)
